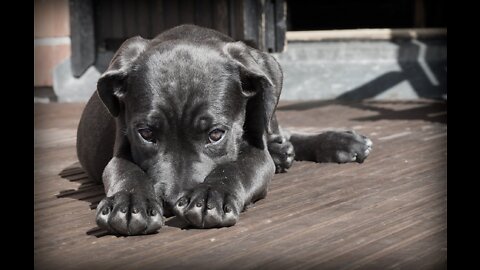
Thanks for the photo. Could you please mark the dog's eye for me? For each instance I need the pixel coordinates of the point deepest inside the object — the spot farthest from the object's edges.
(216, 135)
(146, 134)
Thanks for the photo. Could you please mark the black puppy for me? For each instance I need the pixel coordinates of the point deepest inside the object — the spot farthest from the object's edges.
(184, 125)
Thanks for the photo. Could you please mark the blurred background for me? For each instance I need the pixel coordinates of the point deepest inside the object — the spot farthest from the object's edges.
(343, 49)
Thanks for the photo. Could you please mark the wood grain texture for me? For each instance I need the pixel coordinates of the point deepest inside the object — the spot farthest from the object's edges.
(82, 35)
(220, 16)
(388, 213)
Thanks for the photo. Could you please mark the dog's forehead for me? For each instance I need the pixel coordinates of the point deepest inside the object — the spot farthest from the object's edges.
(185, 63)
(183, 77)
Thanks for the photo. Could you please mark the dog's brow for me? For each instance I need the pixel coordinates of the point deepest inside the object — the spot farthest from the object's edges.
(203, 122)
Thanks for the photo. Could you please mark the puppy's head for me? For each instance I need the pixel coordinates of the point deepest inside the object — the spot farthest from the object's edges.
(187, 107)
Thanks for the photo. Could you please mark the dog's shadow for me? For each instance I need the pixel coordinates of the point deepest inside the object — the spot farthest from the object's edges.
(93, 192)
(88, 191)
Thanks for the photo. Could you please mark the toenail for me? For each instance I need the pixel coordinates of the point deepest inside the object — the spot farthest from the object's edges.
(199, 204)
(105, 211)
(228, 209)
(123, 209)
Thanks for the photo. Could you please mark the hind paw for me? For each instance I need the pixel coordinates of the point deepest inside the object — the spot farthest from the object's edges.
(343, 147)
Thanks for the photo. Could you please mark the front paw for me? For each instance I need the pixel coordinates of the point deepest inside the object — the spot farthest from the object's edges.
(129, 213)
(209, 206)
(282, 153)
(343, 147)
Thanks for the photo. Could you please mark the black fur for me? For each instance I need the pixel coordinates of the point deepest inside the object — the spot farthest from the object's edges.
(176, 89)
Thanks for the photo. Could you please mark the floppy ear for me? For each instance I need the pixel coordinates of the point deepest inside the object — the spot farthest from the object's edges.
(261, 79)
(111, 85)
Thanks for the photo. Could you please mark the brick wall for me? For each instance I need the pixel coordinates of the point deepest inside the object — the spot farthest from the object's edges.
(51, 38)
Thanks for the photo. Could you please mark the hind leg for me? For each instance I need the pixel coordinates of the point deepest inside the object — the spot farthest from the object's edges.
(95, 138)
(332, 146)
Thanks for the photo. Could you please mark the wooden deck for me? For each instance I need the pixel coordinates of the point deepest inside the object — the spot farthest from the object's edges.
(388, 213)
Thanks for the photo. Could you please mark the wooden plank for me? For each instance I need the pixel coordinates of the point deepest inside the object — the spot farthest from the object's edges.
(102, 22)
(269, 26)
(117, 15)
(143, 14)
(389, 212)
(172, 13)
(204, 13)
(250, 23)
(220, 15)
(261, 241)
(157, 17)
(261, 24)
(187, 12)
(82, 35)
(280, 25)
(341, 236)
(130, 18)
(232, 19)
(237, 13)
